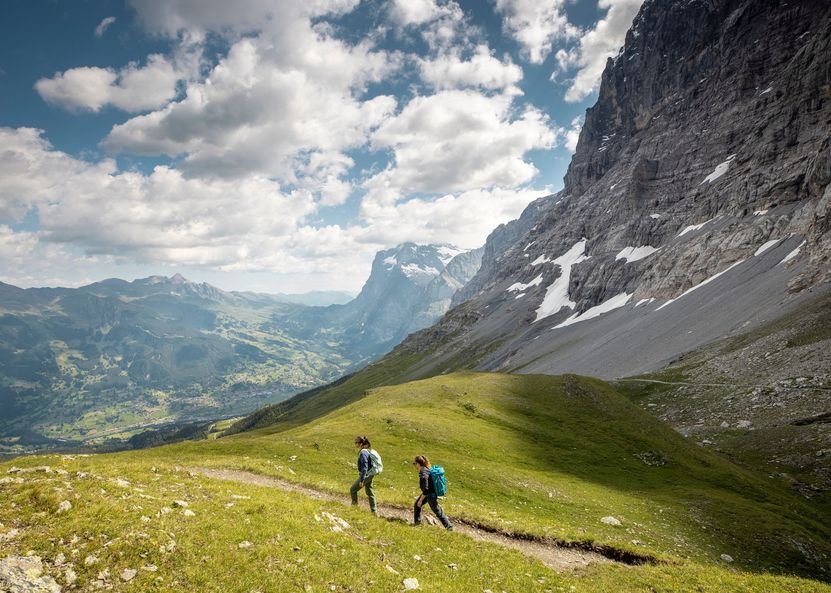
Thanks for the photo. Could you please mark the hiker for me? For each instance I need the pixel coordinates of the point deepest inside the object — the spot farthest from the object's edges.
(369, 466)
(426, 481)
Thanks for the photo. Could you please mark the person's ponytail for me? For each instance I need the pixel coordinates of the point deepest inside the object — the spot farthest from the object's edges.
(422, 461)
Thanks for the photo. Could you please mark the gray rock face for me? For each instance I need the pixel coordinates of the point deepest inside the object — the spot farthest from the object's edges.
(23, 574)
(409, 288)
(709, 147)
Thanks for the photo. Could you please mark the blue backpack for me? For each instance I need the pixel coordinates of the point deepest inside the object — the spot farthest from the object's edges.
(439, 481)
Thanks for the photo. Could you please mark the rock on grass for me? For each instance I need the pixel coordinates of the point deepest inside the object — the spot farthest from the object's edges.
(23, 574)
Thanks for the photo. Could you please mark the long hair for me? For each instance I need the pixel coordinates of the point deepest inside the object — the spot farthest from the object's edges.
(422, 461)
(365, 444)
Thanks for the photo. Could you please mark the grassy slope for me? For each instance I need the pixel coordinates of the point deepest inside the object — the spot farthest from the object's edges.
(771, 358)
(543, 455)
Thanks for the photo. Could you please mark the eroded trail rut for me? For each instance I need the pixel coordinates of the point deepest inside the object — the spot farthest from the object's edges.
(560, 556)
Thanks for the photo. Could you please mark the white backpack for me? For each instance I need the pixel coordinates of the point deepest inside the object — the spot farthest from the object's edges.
(376, 466)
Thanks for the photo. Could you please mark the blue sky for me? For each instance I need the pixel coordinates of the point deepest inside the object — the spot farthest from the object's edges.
(276, 145)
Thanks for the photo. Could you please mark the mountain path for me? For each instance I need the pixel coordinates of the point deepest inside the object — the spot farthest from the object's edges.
(558, 556)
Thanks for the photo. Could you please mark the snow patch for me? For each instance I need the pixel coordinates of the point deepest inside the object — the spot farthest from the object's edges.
(391, 261)
(529, 245)
(720, 170)
(616, 302)
(766, 91)
(654, 216)
(448, 252)
(792, 254)
(766, 246)
(644, 302)
(543, 259)
(415, 271)
(519, 286)
(697, 286)
(556, 295)
(694, 227)
(760, 212)
(631, 254)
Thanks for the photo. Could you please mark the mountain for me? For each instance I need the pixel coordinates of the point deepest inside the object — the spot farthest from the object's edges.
(409, 288)
(116, 357)
(696, 204)
(692, 231)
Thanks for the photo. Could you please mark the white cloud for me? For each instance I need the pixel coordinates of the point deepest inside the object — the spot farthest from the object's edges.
(458, 140)
(268, 107)
(535, 25)
(441, 25)
(104, 25)
(92, 214)
(133, 88)
(170, 17)
(572, 135)
(596, 47)
(464, 219)
(482, 69)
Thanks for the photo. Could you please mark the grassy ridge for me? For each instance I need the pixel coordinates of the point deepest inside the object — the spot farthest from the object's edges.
(549, 456)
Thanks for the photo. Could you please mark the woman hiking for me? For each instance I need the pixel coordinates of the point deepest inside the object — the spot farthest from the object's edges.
(369, 465)
(428, 493)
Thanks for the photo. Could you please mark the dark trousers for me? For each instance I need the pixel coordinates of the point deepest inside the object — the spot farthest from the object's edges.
(370, 492)
(434, 505)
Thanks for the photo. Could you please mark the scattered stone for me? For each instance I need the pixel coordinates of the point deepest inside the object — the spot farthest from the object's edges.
(188, 513)
(727, 558)
(165, 510)
(90, 560)
(611, 521)
(180, 504)
(744, 424)
(41, 469)
(23, 574)
(150, 567)
(724, 424)
(417, 558)
(410, 584)
(391, 569)
(144, 519)
(60, 559)
(70, 576)
(122, 483)
(452, 566)
(10, 480)
(9, 535)
(244, 544)
(65, 506)
(240, 497)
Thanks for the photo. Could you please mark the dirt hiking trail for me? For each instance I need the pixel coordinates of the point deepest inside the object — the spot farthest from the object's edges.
(558, 555)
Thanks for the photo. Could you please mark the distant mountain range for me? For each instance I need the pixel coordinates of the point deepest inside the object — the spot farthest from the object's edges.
(114, 357)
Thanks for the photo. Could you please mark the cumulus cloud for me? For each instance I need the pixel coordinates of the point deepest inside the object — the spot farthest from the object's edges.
(535, 25)
(104, 25)
(596, 46)
(93, 212)
(482, 69)
(133, 88)
(458, 140)
(170, 17)
(274, 103)
(572, 134)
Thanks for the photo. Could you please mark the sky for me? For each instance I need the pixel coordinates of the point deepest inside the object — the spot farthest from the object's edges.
(277, 145)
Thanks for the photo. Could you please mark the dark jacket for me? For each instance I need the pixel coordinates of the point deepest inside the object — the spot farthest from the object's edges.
(363, 464)
(425, 482)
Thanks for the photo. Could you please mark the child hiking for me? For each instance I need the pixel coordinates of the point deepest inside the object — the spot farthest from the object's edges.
(430, 490)
(369, 466)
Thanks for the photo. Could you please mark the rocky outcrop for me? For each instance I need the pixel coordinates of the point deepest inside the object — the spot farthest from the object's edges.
(24, 574)
(699, 191)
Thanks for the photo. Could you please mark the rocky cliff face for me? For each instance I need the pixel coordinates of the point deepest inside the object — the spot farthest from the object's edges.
(409, 288)
(697, 201)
